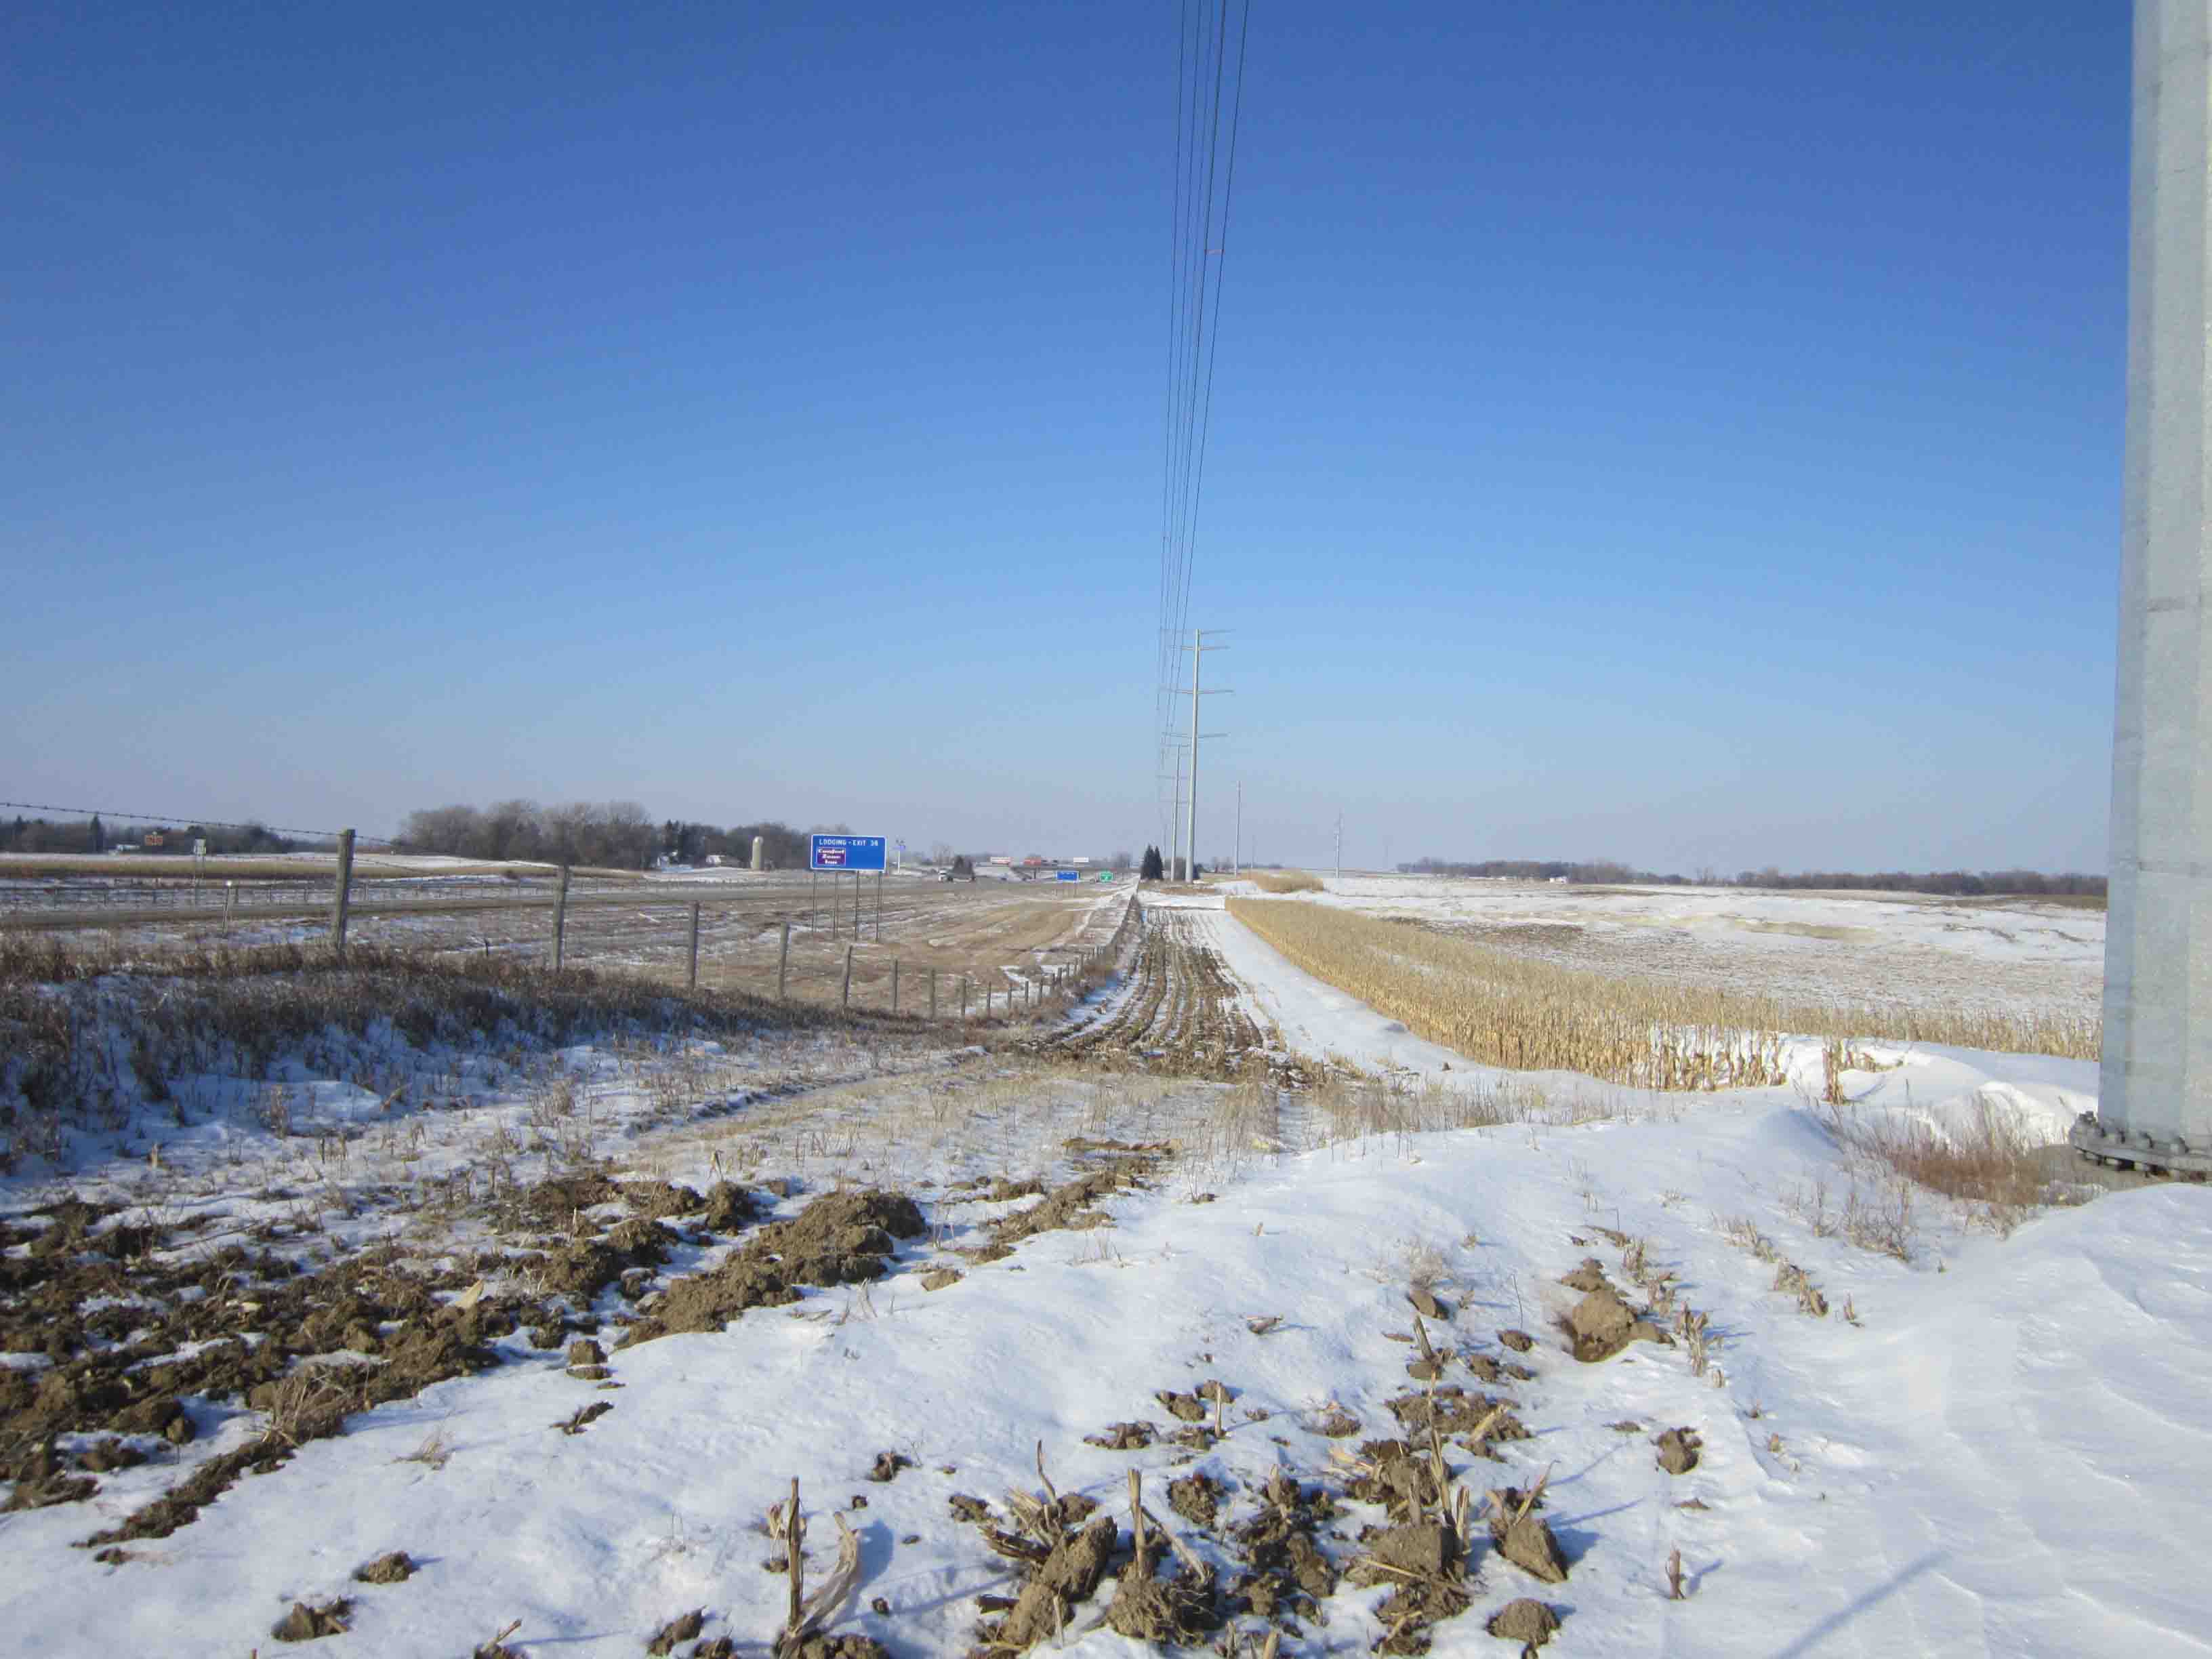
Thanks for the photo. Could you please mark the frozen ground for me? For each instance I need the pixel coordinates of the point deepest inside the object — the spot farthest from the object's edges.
(1813, 947)
(2003, 1449)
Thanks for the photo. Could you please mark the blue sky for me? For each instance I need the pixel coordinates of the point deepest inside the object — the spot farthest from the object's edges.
(1688, 434)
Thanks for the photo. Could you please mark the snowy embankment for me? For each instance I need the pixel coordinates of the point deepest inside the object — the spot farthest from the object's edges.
(2003, 1456)
(1935, 1440)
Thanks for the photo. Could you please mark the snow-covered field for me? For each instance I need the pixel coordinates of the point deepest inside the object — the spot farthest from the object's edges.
(1987, 1444)
(1818, 947)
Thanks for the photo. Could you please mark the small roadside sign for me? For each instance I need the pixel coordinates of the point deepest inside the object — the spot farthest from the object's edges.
(1068, 875)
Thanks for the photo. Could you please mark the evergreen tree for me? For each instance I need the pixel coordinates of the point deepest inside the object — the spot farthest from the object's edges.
(99, 835)
(1153, 866)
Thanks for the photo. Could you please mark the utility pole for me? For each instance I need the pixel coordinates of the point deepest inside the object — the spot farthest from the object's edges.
(1174, 803)
(1197, 656)
(1339, 846)
(2154, 1099)
(1198, 648)
(1237, 862)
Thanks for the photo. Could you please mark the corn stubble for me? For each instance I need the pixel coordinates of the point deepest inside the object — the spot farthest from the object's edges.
(1283, 881)
(1506, 1011)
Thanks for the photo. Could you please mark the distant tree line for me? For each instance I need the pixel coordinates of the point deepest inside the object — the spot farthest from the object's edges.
(1578, 870)
(614, 835)
(24, 834)
(1950, 883)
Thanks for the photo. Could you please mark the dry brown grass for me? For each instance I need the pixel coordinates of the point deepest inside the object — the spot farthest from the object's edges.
(1990, 1159)
(1533, 1015)
(84, 1037)
(1284, 881)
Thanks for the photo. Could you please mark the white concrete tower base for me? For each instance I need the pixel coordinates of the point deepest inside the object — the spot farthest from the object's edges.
(2154, 1106)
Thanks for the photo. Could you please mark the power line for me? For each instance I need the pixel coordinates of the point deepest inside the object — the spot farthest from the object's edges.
(1204, 191)
(1213, 350)
(179, 818)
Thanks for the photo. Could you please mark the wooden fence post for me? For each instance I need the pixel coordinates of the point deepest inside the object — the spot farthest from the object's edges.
(341, 894)
(694, 977)
(561, 920)
(783, 960)
(933, 994)
(963, 996)
(845, 997)
(894, 985)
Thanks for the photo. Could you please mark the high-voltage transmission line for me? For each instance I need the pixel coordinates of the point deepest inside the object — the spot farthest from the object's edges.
(1209, 95)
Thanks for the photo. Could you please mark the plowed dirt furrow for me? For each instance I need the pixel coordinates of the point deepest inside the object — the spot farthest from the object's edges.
(1183, 1015)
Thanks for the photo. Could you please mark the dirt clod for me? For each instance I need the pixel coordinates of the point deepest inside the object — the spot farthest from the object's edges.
(819, 1646)
(1452, 1410)
(1069, 1574)
(1587, 1277)
(1425, 1560)
(1519, 1341)
(1187, 1406)
(1336, 1423)
(1196, 1498)
(938, 1279)
(1601, 1325)
(393, 1569)
(1678, 1451)
(888, 1465)
(1072, 1204)
(1527, 1620)
(43, 1491)
(1286, 1573)
(1425, 1304)
(658, 1200)
(681, 1628)
(1162, 1612)
(973, 1510)
(305, 1624)
(1122, 1437)
(728, 1208)
(1528, 1543)
(1423, 1549)
(841, 1238)
(1392, 1474)
(585, 1351)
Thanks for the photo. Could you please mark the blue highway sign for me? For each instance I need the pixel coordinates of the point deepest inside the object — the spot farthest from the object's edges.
(845, 852)
(1068, 875)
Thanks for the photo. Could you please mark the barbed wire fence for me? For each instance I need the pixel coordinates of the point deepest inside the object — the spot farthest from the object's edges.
(787, 939)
